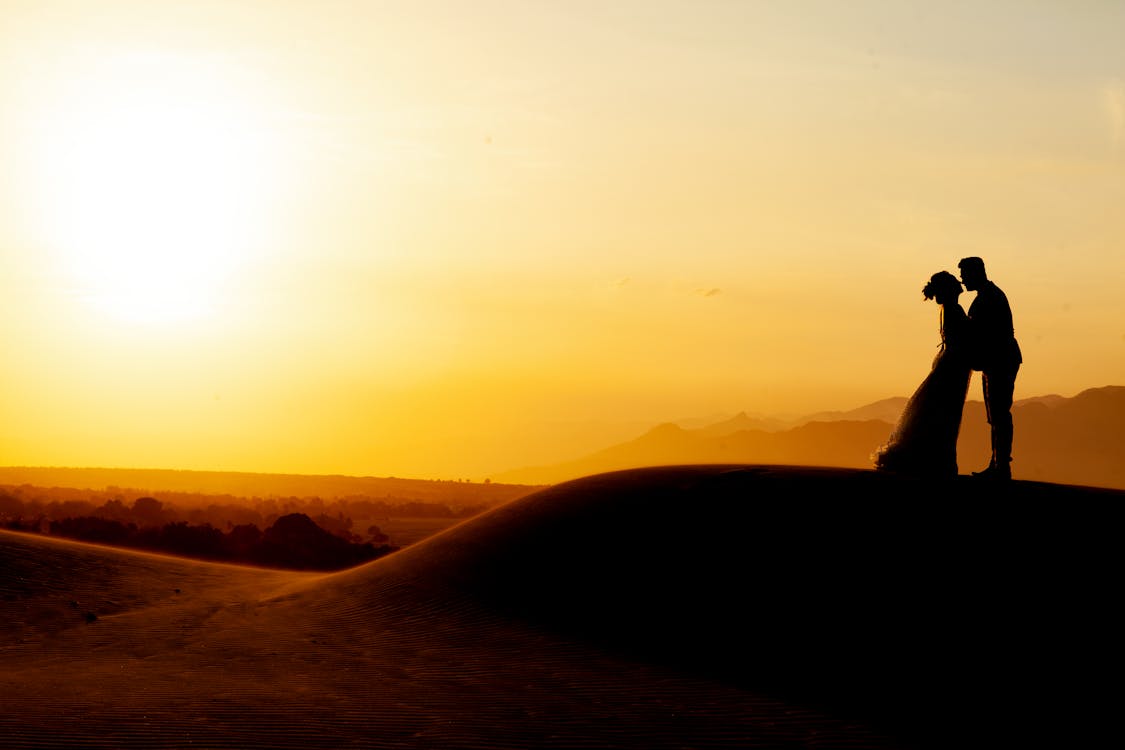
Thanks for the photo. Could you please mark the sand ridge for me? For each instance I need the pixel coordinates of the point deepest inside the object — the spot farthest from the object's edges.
(713, 606)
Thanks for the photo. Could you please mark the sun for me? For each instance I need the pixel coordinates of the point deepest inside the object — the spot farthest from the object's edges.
(154, 176)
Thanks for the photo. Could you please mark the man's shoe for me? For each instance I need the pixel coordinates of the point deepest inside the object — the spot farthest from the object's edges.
(994, 472)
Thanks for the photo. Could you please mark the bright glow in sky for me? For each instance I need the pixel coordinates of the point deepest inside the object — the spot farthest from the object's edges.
(447, 239)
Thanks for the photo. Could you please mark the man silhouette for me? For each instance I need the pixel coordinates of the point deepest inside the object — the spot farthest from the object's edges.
(996, 353)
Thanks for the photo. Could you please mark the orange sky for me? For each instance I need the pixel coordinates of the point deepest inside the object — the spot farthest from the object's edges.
(445, 239)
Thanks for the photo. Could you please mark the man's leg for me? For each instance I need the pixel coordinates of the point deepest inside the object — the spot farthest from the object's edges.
(999, 391)
(984, 383)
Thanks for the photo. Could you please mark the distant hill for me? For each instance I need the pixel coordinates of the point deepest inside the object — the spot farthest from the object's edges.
(886, 410)
(1078, 440)
(742, 421)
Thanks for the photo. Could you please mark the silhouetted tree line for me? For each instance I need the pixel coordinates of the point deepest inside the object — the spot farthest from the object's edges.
(35, 506)
(221, 511)
(292, 540)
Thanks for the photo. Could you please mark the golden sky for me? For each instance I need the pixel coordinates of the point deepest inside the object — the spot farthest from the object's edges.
(444, 239)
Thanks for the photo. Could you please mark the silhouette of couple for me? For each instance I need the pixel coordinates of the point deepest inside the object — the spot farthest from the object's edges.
(924, 440)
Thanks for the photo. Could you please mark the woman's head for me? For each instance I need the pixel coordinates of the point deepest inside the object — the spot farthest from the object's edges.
(943, 286)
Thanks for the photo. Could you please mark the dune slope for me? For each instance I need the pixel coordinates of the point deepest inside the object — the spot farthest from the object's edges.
(698, 606)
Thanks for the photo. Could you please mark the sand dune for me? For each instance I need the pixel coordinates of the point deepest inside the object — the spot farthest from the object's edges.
(670, 607)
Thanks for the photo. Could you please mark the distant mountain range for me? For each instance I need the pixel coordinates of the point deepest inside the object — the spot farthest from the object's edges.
(1078, 440)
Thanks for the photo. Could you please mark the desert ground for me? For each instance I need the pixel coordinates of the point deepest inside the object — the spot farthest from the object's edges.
(711, 606)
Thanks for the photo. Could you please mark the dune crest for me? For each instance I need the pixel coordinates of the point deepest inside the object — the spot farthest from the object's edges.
(697, 606)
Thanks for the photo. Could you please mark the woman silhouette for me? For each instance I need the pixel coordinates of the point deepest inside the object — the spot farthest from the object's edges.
(924, 440)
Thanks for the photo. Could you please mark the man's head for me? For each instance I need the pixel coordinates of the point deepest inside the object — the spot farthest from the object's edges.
(972, 273)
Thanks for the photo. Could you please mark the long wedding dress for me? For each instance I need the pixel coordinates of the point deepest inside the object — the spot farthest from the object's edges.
(924, 440)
